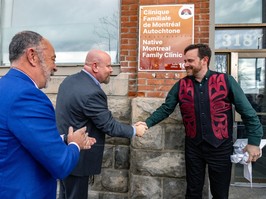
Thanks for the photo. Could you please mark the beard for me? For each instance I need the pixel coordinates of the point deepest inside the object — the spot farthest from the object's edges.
(192, 71)
(189, 71)
(46, 73)
(107, 80)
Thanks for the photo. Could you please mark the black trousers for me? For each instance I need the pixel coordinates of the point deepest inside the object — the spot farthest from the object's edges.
(75, 187)
(197, 157)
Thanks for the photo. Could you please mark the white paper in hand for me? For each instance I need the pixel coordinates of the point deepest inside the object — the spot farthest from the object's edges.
(239, 156)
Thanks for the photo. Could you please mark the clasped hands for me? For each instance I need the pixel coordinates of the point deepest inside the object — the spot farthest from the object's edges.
(80, 137)
(141, 128)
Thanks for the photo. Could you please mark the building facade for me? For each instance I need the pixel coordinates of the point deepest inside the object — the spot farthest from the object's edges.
(153, 166)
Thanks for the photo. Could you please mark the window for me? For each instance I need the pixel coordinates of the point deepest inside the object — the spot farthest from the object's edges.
(238, 11)
(73, 26)
(251, 74)
(221, 62)
(240, 24)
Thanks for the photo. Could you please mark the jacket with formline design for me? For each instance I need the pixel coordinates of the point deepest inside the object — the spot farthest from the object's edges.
(207, 109)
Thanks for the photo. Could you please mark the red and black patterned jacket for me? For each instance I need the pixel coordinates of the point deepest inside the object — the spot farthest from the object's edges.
(206, 108)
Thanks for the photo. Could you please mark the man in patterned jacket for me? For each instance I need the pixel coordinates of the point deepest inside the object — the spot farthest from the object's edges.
(206, 98)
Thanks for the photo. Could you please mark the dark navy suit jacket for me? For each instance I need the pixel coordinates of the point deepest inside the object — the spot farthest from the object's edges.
(82, 102)
(32, 153)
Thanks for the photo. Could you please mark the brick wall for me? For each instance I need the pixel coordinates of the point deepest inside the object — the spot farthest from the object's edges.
(154, 84)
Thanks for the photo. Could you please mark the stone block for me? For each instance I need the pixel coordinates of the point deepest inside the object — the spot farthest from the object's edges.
(152, 139)
(143, 187)
(107, 195)
(112, 196)
(111, 180)
(53, 85)
(143, 107)
(120, 108)
(108, 156)
(93, 195)
(121, 157)
(174, 188)
(159, 164)
(52, 97)
(118, 85)
(115, 180)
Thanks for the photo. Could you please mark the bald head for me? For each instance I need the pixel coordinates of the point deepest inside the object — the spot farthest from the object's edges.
(96, 56)
(98, 64)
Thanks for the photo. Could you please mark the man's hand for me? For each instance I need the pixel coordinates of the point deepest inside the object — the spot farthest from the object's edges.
(253, 152)
(141, 127)
(90, 141)
(80, 137)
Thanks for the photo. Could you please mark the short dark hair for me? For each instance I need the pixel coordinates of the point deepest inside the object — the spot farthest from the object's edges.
(21, 41)
(203, 51)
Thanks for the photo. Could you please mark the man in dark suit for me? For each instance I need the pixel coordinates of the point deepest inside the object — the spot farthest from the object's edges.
(82, 102)
(32, 154)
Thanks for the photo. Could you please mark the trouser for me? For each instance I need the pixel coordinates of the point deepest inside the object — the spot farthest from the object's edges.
(75, 187)
(219, 168)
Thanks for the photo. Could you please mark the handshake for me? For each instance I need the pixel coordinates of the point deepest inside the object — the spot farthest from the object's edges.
(140, 127)
(81, 138)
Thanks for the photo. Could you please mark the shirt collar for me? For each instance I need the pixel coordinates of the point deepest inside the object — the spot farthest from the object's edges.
(93, 78)
(205, 78)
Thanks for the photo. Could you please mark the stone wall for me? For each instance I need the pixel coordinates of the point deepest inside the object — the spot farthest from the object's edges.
(147, 167)
(157, 160)
(151, 167)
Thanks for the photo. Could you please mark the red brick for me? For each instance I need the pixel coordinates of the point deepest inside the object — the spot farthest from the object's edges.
(170, 81)
(163, 88)
(133, 18)
(128, 2)
(145, 88)
(166, 1)
(145, 75)
(147, 2)
(128, 70)
(133, 64)
(141, 81)
(141, 94)
(155, 94)
(131, 58)
(155, 81)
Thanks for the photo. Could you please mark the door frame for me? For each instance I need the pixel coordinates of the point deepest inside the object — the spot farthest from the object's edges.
(233, 71)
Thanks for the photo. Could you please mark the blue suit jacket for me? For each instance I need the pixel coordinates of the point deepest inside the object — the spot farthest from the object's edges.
(32, 154)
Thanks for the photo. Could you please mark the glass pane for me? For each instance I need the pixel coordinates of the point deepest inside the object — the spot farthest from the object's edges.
(240, 38)
(251, 75)
(238, 11)
(221, 62)
(73, 26)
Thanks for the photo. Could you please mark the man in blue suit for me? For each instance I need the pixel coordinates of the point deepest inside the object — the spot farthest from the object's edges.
(32, 153)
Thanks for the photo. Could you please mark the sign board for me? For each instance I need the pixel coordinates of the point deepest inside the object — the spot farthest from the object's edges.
(164, 32)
